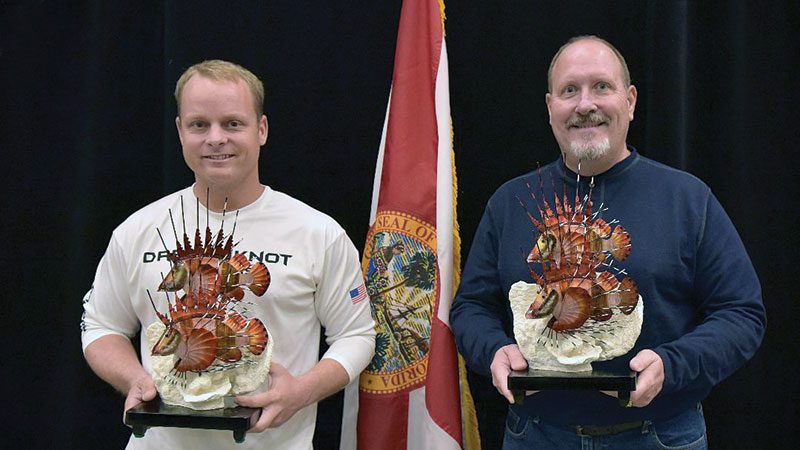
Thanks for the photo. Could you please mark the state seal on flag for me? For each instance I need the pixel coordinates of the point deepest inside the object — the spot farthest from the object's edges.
(402, 279)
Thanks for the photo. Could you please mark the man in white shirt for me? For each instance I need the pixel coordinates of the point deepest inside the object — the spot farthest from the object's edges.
(314, 269)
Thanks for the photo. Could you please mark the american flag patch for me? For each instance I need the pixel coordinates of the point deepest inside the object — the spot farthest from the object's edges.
(358, 294)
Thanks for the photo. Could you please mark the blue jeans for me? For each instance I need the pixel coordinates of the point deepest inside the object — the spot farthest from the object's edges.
(686, 431)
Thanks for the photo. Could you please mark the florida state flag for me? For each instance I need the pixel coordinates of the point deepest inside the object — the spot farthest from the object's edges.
(410, 394)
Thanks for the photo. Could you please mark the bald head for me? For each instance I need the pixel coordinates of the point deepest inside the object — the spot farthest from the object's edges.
(626, 75)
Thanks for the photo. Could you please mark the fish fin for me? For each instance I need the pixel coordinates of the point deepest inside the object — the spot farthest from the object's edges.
(206, 249)
(557, 204)
(198, 243)
(539, 225)
(239, 262)
(573, 309)
(257, 336)
(187, 244)
(548, 217)
(199, 353)
(606, 281)
(261, 279)
(628, 296)
(601, 228)
(218, 244)
(621, 243)
(235, 322)
(204, 282)
(228, 246)
(573, 246)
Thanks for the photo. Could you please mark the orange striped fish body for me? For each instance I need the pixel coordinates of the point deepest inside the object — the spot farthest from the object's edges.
(205, 329)
(574, 251)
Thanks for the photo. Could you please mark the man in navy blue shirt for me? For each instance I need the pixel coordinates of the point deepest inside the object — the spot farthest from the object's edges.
(703, 312)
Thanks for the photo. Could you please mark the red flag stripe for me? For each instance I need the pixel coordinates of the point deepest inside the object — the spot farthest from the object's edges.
(408, 182)
(382, 427)
(442, 395)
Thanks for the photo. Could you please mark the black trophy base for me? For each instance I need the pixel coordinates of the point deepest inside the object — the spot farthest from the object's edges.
(540, 380)
(157, 414)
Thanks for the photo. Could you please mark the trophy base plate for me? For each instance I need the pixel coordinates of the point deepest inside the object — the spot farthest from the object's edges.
(158, 414)
(520, 381)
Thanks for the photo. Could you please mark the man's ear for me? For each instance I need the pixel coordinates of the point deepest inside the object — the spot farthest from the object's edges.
(178, 126)
(631, 101)
(263, 129)
(547, 102)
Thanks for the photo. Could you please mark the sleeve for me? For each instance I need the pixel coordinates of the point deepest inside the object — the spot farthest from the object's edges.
(349, 328)
(728, 295)
(480, 303)
(107, 307)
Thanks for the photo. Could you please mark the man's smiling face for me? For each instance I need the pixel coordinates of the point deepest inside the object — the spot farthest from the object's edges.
(589, 103)
(221, 134)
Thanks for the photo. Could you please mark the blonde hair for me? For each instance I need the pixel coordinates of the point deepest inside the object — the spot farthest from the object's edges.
(626, 75)
(219, 70)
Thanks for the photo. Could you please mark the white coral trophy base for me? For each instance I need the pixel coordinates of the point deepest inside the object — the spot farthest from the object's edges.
(206, 391)
(574, 351)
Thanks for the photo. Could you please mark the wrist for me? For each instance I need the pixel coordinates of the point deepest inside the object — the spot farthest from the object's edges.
(308, 384)
(135, 380)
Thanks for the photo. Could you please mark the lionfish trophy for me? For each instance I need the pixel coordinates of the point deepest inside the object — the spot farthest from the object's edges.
(580, 308)
(205, 347)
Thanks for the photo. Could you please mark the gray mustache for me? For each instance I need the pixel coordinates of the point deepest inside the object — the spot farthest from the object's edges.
(593, 119)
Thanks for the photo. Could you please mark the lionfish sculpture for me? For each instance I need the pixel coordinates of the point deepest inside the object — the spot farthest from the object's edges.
(205, 328)
(577, 310)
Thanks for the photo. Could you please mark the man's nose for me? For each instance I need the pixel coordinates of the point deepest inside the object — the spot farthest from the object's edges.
(216, 136)
(586, 103)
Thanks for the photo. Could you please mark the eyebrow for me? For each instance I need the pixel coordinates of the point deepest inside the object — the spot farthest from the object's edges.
(593, 77)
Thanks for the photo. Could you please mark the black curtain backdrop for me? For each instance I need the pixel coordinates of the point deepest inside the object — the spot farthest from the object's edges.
(88, 137)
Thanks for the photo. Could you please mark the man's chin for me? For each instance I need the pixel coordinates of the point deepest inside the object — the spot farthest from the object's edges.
(584, 151)
(217, 181)
(588, 154)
